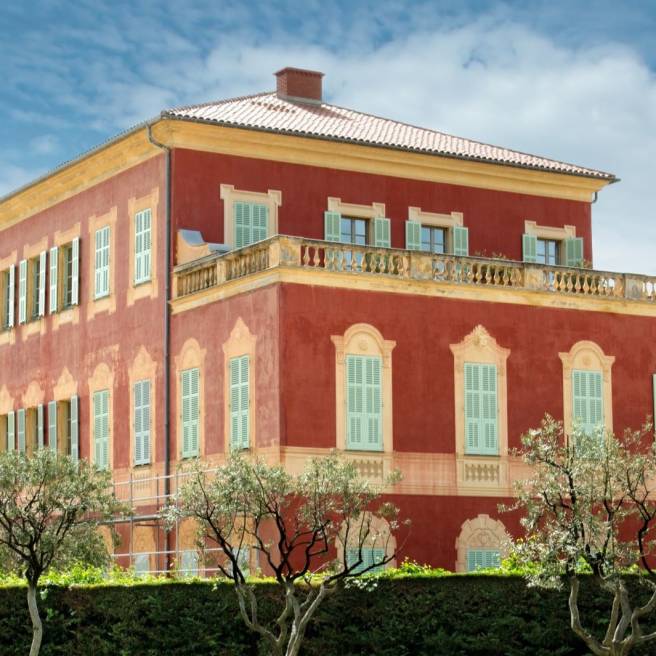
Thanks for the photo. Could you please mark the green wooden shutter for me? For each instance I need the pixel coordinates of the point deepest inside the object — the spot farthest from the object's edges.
(39, 426)
(102, 262)
(530, 248)
(147, 243)
(20, 430)
(239, 402)
(142, 419)
(332, 226)
(413, 235)
(142, 245)
(52, 425)
(10, 293)
(54, 279)
(22, 291)
(260, 223)
(11, 431)
(460, 240)
(42, 283)
(75, 428)
(587, 399)
(371, 558)
(243, 224)
(481, 415)
(190, 412)
(382, 233)
(482, 559)
(101, 429)
(75, 268)
(364, 421)
(574, 252)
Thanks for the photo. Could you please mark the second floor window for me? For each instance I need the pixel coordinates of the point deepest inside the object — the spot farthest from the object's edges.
(548, 252)
(364, 427)
(481, 424)
(190, 401)
(251, 223)
(353, 231)
(101, 429)
(142, 422)
(239, 402)
(102, 262)
(433, 239)
(7, 282)
(142, 246)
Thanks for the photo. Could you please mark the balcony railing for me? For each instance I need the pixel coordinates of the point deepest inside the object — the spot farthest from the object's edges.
(295, 252)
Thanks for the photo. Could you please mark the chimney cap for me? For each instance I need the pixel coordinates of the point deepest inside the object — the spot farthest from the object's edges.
(299, 84)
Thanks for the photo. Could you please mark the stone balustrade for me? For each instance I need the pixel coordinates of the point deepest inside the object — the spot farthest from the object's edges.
(308, 254)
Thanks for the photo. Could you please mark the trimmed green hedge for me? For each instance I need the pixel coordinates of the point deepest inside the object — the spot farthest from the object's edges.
(461, 615)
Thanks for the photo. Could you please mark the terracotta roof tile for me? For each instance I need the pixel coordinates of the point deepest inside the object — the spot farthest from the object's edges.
(266, 111)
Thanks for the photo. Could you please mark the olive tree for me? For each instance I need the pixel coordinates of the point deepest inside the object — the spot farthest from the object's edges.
(310, 531)
(589, 507)
(50, 510)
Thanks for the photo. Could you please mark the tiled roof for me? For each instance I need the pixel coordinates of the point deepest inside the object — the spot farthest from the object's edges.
(267, 111)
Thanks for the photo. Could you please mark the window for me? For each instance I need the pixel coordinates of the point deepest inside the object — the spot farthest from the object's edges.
(36, 287)
(101, 429)
(20, 430)
(482, 559)
(142, 246)
(587, 400)
(373, 558)
(548, 251)
(251, 223)
(102, 262)
(239, 402)
(357, 230)
(190, 380)
(481, 422)
(433, 239)
(364, 403)
(541, 246)
(353, 231)
(6, 444)
(7, 297)
(243, 555)
(141, 564)
(64, 276)
(188, 563)
(63, 426)
(22, 291)
(141, 422)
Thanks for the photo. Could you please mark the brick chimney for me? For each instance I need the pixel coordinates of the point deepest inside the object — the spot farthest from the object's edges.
(299, 85)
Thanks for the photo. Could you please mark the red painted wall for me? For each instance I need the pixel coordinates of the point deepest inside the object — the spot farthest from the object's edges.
(422, 363)
(114, 339)
(495, 219)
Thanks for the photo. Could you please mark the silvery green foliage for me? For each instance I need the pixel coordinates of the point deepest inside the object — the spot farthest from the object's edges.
(50, 510)
(589, 507)
(298, 525)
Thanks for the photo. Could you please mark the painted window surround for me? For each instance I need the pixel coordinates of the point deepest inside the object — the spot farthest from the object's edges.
(380, 537)
(229, 195)
(587, 356)
(9, 336)
(549, 232)
(191, 356)
(143, 367)
(363, 339)
(240, 342)
(102, 379)
(357, 211)
(106, 303)
(435, 220)
(37, 325)
(479, 471)
(482, 532)
(150, 288)
(71, 314)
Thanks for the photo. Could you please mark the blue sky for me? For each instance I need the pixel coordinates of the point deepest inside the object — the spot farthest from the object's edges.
(567, 79)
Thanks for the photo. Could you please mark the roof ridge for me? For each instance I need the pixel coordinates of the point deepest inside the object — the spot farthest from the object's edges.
(217, 102)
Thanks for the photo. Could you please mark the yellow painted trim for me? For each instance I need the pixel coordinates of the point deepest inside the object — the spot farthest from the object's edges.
(76, 177)
(33, 395)
(549, 232)
(106, 303)
(381, 283)
(143, 367)
(191, 356)
(588, 356)
(363, 339)
(102, 379)
(150, 288)
(379, 535)
(6, 401)
(355, 210)
(65, 388)
(376, 160)
(229, 195)
(241, 342)
(482, 532)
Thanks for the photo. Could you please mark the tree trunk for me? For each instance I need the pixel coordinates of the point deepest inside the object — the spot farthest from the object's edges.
(37, 625)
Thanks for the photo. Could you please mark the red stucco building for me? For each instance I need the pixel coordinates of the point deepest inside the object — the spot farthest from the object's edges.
(282, 275)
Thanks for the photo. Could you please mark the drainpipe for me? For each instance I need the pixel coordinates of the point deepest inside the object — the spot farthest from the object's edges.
(167, 325)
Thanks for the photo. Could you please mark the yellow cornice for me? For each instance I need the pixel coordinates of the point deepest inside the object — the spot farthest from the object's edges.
(134, 148)
(368, 159)
(77, 176)
(379, 283)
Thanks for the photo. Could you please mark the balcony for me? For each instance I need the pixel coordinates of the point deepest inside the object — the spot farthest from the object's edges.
(282, 252)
